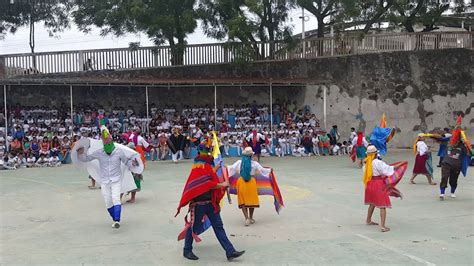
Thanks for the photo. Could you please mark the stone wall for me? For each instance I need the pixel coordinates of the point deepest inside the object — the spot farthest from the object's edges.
(418, 90)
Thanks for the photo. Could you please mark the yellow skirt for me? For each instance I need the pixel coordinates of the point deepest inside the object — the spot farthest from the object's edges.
(247, 193)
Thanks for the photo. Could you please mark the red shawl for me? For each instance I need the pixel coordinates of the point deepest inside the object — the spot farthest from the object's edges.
(360, 136)
(201, 179)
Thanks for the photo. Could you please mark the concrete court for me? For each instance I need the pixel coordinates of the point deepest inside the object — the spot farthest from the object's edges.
(49, 216)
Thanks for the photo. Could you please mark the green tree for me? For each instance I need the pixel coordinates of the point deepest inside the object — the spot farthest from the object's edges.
(249, 21)
(54, 14)
(164, 21)
(329, 12)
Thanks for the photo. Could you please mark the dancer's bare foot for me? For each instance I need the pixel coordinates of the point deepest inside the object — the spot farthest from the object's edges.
(372, 223)
(92, 187)
(384, 229)
(412, 182)
(433, 183)
(131, 200)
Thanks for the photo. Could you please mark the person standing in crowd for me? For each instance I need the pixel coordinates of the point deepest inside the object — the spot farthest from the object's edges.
(138, 178)
(334, 136)
(324, 143)
(176, 144)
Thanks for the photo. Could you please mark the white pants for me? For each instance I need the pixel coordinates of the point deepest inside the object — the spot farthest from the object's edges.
(111, 193)
(175, 156)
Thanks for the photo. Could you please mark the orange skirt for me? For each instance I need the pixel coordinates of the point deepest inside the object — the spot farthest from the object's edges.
(247, 194)
(141, 151)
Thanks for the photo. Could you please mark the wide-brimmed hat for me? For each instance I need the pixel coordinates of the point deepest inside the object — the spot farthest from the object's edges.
(131, 145)
(248, 151)
(371, 149)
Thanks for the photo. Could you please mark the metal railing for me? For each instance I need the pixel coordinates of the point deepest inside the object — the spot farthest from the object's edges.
(203, 54)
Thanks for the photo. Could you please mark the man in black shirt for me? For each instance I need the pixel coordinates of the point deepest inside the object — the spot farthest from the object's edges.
(454, 161)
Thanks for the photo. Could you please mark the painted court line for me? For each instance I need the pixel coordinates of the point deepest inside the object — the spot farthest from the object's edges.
(415, 258)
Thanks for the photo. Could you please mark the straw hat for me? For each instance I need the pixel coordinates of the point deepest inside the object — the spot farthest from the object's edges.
(371, 149)
(248, 151)
(131, 145)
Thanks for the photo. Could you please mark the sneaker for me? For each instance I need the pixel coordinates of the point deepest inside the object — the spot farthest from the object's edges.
(252, 221)
(453, 195)
(441, 196)
(247, 222)
(116, 225)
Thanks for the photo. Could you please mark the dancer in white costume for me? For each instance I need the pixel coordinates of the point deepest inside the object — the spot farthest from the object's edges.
(110, 164)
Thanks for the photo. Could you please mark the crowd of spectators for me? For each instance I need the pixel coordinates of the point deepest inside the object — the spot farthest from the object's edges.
(40, 136)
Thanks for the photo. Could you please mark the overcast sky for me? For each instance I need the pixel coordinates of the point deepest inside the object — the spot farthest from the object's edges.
(73, 39)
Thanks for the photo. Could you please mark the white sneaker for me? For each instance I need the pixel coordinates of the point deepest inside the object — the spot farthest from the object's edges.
(441, 196)
(453, 195)
(116, 225)
(247, 222)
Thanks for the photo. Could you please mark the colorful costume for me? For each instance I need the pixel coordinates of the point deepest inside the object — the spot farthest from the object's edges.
(203, 197)
(423, 162)
(457, 159)
(380, 180)
(141, 145)
(246, 184)
(107, 162)
(360, 145)
(324, 143)
(381, 136)
(255, 140)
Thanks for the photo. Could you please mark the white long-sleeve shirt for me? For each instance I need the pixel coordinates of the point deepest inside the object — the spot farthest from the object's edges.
(256, 168)
(364, 141)
(380, 168)
(421, 147)
(140, 141)
(110, 165)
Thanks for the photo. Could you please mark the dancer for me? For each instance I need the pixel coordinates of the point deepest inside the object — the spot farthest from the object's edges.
(380, 180)
(141, 145)
(110, 161)
(203, 192)
(422, 160)
(248, 179)
(255, 140)
(443, 145)
(138, 178)
(457, 159)
(360, 145)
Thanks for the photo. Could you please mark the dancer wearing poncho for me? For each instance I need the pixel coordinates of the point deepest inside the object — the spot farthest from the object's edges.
(247, 193)
(360, 145)
(380, 180)
(456, 160)
(110, 160)
(324, 143)
(423, 163)
(203, 192)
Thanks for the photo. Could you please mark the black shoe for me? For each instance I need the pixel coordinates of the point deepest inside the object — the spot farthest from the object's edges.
(439, 165)
(190, 255)
(234, 255)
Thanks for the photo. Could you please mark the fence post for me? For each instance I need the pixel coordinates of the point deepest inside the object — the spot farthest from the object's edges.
(3, 67)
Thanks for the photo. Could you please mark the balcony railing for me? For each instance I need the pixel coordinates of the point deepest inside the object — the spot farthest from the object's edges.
(203, 54)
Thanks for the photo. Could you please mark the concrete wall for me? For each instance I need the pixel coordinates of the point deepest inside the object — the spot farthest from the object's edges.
(418, 90)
